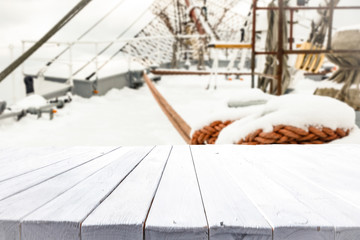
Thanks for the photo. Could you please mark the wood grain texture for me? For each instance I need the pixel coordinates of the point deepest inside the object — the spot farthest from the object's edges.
(177, 211)
(344, 216)
(25, 161)
(198, 192)
(335, 181)
(60, 219)
(13, 209)
(123, 213)
(230, 213)
(10, 154)
(290, 218)
(74, 158)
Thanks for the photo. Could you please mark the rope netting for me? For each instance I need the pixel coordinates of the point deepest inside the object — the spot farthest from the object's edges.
(223, 22)
(281, 134)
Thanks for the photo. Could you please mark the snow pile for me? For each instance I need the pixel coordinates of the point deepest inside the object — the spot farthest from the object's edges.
(30, 101)
(309, 86)
(227, 114)
(246, 102)
(295, 110)
(250, 97)
(349, 28)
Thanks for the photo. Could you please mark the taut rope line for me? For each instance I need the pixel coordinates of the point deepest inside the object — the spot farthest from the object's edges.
(177, 121)
(46, 37)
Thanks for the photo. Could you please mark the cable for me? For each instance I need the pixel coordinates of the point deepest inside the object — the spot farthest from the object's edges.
(109, 45)
(46, 37)
(42, 71)
(117, 52)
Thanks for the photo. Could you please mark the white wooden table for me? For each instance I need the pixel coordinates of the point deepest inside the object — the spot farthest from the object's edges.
(181, 192)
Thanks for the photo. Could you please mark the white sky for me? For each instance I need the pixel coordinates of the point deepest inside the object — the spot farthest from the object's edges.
(31, 19)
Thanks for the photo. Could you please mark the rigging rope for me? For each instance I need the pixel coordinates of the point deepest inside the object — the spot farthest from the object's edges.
(107, 47)
(42, 71)
(176, 120)
(46, 37)
(117, 52)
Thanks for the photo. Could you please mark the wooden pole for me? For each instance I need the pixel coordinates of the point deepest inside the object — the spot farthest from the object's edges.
(331, 19)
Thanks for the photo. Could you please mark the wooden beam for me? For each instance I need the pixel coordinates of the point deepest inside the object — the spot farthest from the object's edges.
(186, 72)
(231, 45)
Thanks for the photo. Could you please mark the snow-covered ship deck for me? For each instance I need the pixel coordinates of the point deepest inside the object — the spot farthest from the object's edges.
(180, 192)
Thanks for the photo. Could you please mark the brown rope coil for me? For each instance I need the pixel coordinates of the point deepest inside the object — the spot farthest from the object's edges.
(208, 134)
(281, 134)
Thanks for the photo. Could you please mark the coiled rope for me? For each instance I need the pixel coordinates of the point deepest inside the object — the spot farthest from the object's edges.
(281, 134)
(209, 134)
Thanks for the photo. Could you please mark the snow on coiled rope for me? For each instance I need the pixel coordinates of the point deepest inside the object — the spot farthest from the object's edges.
(286, 119)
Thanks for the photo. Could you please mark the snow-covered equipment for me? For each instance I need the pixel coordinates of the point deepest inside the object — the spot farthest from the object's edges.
(348, 72)
(271, 64)
(35, 105)
(29, 84)
(2, 106)
(313, 62)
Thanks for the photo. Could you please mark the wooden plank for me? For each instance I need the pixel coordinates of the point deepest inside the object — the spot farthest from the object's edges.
(123, 213)
(344, 216)
(72, 160)
(10, 155)
(177, 211)
(332, 154)
(61, 218)
(230, 45)
(230, 213)
(15, 208)
(13, 153)
(341, 180)
(22, 165)
(290, 218)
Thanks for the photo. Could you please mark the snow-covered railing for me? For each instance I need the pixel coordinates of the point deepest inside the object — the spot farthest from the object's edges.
(27, 107)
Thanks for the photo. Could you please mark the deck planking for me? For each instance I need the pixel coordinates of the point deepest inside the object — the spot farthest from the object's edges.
(122, 215)
(230, 213)
(15, 208)
(341, 214)
(29, 179)
(180, 192)
(177, 211)
(289, 218)
(61, 218)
